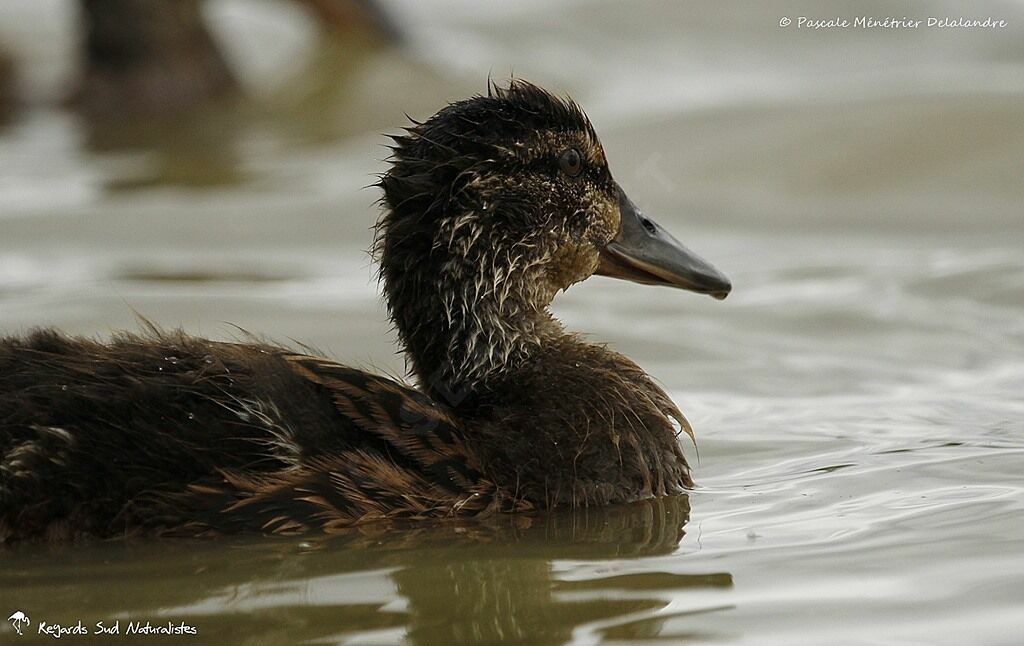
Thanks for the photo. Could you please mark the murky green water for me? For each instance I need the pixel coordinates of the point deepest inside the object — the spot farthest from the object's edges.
(857, 399)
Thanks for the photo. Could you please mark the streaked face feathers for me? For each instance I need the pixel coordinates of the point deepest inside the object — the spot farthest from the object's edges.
(485, 181)
(492, 206)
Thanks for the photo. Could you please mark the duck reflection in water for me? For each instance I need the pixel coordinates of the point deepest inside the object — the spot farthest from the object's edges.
(528, 579)
(478, 596)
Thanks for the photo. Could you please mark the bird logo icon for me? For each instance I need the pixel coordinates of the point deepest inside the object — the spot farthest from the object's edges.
(19, 619)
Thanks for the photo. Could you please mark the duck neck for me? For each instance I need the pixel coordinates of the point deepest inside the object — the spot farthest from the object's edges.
(477, 327)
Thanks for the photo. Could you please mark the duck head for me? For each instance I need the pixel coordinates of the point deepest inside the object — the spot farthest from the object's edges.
(491, 207)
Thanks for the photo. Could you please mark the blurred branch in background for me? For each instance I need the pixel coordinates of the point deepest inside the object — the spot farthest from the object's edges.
(155, 57)
(142, 56)
(7, 86)
(343, 16)
(161, 77)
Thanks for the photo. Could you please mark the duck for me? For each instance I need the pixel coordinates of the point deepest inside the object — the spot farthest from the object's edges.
(490, 208)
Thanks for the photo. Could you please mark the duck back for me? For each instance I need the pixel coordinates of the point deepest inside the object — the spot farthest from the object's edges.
(168, 433)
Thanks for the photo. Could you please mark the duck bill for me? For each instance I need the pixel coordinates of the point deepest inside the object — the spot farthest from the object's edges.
(644, 252)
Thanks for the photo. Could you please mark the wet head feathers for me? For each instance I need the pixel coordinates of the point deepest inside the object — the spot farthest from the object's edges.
(481, 228)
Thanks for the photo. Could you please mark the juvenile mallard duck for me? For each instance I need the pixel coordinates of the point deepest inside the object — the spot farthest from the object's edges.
(491, 207)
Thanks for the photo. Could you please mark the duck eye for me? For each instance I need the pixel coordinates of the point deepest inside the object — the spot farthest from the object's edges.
(571, 162)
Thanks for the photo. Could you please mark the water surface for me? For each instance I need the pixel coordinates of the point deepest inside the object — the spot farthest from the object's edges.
(857, 399)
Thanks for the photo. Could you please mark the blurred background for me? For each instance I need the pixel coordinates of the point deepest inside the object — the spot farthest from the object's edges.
(857, 399)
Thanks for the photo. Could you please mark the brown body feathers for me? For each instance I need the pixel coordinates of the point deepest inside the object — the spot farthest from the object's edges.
(491, 207)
